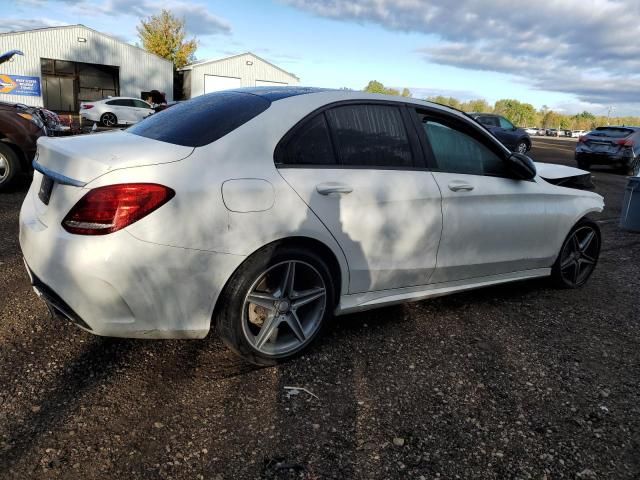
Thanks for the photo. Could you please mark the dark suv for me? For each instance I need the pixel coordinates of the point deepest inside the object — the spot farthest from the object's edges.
(20, 128)
(512, 137)
(615, 146)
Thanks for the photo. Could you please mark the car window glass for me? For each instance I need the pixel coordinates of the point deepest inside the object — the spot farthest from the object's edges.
(489, 121)
(370, 135)
(115, 102)
(506, 124)
(141, 104)
(457, 152)
(310, 144)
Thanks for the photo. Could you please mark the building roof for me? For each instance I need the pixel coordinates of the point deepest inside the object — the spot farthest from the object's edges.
(203, 62)
(79, 25)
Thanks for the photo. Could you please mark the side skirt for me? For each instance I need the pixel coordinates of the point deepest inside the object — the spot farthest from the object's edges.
(365, 301)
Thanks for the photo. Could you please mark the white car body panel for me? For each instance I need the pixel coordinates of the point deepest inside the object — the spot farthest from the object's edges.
(397, 236)
(552, 171)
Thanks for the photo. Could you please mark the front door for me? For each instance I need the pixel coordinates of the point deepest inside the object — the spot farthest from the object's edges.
(492, 223)
(359, 171)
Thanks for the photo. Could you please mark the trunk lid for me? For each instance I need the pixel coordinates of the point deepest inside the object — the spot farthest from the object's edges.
(84, 158)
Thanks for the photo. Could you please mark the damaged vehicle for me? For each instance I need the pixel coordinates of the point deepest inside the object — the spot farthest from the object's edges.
(262, 212)
(618, 147)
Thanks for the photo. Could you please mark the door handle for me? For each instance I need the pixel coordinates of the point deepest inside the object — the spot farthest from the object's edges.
(333, 187)
(460, 186)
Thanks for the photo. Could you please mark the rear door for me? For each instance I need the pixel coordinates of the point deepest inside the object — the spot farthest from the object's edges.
(492, 223)
(360, 170)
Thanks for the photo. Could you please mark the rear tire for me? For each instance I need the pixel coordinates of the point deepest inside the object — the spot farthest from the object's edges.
(9, 166)
(578, 255)
(281, 325)
(633, 169)
(109, 119)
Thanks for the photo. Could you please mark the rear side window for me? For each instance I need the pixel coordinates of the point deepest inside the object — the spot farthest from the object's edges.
(310, 145)
(611, 132)
(370, 135)
(119, 102)
(202, 120)
(489, 121)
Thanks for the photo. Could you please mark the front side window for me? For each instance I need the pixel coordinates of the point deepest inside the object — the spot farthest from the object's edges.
(456, 151)
(141, 104)
(309, 145)
(370, 135)
(506, 124)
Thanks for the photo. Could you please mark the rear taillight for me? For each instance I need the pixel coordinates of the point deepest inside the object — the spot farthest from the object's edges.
(625, 142)
(86, 107)
(582, 139)
(108, 209)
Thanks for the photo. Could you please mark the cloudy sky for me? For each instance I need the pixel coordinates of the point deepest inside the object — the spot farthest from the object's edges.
(568, 54)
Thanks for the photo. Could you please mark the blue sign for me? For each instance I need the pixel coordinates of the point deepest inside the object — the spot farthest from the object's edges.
(19, 85)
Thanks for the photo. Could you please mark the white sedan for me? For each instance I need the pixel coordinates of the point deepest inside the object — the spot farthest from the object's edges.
(113, 111)
(266, 211)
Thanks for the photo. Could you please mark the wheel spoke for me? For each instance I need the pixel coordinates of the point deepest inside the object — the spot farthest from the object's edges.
(264, 300)
(576, 272)
(574, 243)
(567, 262)
(306, 296)
(294, 323)
(266, 331)
(589, 259)
(587, 241)
(286, 288)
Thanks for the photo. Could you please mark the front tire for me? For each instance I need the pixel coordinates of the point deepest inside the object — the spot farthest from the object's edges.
(276, 304)
(578, 256)
(9, 166)
(522, 147)
(109, 119)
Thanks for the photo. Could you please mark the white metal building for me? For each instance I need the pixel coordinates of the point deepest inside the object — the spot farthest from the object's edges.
(63, 66)
(244, 70)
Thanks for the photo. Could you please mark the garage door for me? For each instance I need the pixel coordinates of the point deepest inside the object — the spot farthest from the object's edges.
(267, 83)
(215, 83)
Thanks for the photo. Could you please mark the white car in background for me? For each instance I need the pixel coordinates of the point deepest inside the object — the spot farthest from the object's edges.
(531, 130)
(113, 111)
(577, 133)
(265, 211)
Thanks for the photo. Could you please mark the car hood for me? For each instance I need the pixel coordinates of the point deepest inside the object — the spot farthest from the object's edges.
(553, 171)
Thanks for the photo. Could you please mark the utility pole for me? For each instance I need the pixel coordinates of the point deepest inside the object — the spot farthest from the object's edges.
(609, 112)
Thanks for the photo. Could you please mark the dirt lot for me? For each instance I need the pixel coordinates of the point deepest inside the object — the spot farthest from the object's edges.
(518, 381)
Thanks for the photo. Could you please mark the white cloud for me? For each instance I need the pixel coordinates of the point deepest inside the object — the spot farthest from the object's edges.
(12, 24)
(587, 48)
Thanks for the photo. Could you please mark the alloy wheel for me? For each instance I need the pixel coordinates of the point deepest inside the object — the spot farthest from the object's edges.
(522, 147)
(284, 308)
(4, 168)
(579, 255)
(109, 120)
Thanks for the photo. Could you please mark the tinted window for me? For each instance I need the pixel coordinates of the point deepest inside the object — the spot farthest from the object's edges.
(310, 144)
(141, 104)
(489, 121)
(370, 135)
(201, 120)
(504, 123)
(117, 103)
(457, 152)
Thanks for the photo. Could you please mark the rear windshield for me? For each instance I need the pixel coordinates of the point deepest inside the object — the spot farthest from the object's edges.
(613, 132)
(201, 120)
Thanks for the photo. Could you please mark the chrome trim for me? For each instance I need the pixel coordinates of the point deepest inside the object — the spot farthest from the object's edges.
(58, 177)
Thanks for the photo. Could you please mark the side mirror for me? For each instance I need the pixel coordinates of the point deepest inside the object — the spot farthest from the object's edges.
(521, 166)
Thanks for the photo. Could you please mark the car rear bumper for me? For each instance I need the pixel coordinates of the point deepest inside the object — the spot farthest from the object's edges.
(603, 158)
(116, 285)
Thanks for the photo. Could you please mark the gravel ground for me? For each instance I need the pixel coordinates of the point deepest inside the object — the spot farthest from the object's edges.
(516, 381)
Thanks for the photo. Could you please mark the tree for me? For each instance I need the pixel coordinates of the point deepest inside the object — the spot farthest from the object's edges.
(521, 114)
(165, 36)
(479, 105)
(376, 87)
(406, 92)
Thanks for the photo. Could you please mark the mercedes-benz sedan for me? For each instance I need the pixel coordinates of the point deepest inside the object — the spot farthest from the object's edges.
(263, 212)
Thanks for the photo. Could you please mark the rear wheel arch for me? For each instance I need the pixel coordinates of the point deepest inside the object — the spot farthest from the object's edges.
(22, 158)
(338, 274)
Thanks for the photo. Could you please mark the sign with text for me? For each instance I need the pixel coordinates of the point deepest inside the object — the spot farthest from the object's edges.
(19, 85)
